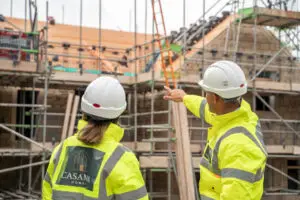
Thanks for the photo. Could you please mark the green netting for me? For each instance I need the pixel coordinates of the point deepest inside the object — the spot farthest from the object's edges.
(176, 48)
(246, 13)
(92, 71)
(88, 71)
(129, 74)
(32, 33)
(30, 51)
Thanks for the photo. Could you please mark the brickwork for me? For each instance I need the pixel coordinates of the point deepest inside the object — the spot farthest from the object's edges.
(57, 99)
(266, 46)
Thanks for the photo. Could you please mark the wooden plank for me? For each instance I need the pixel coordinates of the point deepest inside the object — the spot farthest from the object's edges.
(183, 152)
(182, 181)
(146, 147)
(273, 17)
(85, 78)
(22, 67)
(48, 145)
(279, 149)
(297, 150)
(162, 162)
(153, 161)
(140, 147)
(73, 116)
(186, 150)
(67, 116)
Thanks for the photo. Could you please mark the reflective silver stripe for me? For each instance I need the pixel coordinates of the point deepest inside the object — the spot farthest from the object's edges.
(203, 197)
(202, 109)
(59, 195)
(241, 174)
(235, 130)
(48, 179)
(259, 135)
(205, 163)
(56, 157)
(108, 167)
(136, 194)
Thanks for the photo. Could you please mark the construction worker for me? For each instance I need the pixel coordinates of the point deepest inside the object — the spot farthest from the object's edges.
(234, 159)
(92, 164)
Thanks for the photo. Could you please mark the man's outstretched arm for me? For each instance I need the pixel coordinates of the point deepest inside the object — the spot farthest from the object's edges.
(195, 104)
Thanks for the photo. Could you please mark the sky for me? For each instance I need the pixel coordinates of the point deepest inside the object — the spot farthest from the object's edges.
(119, 14)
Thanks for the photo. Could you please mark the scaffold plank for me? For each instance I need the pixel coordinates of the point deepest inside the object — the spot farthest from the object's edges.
(270, 17)
(162, 162)
(183, 152)
(73, 116)
(67, 116)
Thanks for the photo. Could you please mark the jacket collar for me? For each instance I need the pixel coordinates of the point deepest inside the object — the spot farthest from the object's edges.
(113, 132)
(241, 112)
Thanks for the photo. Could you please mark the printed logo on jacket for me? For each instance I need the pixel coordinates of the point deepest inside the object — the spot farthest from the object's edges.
(80, 167)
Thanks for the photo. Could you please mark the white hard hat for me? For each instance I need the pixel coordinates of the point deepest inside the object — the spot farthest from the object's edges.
(224, 78)
(104, 98)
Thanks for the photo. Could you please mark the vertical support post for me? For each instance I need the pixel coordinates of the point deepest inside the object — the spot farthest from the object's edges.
(31, 134)
(25, 17)
(135, 77)
(203, 38)
(144, 46)
(22, 115)
(238, 37)
(80, 38)
(100, 35)
(152, 106)
(255, 60)
(202, 67)
(45, 92)
(11, 8)
(184, 36)
(63, 14)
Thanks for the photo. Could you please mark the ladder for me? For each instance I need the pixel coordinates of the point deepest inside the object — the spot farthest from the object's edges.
(158, 18)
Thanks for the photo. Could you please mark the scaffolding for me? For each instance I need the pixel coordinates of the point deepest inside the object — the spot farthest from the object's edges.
(152, 139)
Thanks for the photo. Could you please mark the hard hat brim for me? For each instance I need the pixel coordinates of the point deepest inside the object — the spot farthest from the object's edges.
(225, 93)
(105, 113)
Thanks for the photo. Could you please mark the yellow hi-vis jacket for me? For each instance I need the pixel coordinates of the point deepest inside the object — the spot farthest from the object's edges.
(234, 159)
(94, 172)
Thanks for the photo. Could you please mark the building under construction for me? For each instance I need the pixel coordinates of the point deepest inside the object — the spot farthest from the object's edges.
(45, 67)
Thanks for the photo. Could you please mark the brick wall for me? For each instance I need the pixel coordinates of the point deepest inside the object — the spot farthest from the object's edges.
(267, 45)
